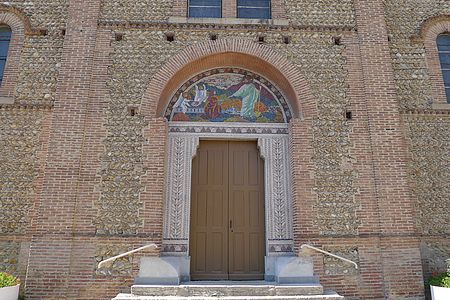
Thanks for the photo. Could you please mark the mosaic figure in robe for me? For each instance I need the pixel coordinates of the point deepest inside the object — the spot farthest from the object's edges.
(201, 94)
(249, 94)
(183, 102)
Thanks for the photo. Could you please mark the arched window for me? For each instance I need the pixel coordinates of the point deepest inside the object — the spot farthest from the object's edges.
(5, 38)
(443, 44)
(205, 8)
(253, 9)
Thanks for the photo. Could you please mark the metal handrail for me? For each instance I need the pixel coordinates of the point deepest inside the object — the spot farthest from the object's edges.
(153, 246)
(330, 254)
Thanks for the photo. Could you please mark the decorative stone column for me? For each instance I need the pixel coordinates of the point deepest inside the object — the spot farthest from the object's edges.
(278, 194)
(182, 150)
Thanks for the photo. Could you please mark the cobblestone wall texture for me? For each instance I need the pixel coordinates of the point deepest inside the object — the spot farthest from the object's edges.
(20, 128)
(304, 12)
(119, 267)
(44, 14)
(19, 139)
(334, 266)
(9, 257)
(321, 13)
(322, 63)
(434, 256)
(430, 170)
(107, 200)
(137, 11)
(40, 64)
(134, 60)
(404, 19)
(41, 55)
(141, 53)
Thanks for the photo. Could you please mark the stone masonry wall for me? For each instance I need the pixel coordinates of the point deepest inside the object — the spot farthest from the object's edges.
(22, 125)
(322, 63)
(412, 77)
(137, 11)
(137, 54)
(49, 14)
(428, 135)
(321, 13)
(427, 132)
(305, 12)
(141, 53)
(20, 139)
(9, 257)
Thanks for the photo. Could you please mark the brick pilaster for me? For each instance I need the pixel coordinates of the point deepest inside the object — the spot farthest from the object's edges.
(51, 246)
(400, 255)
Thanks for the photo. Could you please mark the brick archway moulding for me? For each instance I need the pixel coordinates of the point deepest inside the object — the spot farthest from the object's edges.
(20, 26)
(17, 19)
(246, 54)
(429, 31)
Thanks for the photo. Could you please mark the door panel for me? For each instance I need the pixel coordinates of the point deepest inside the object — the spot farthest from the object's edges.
(246, 191)
(227, 221)
(209, 218)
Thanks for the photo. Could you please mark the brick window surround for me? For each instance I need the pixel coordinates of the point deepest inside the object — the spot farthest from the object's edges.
(13, 59)
(429, 32)
(180, 9)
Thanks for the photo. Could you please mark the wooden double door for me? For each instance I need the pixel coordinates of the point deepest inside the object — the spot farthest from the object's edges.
(227, 240)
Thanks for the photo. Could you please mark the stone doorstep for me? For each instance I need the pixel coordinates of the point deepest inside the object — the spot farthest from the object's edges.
(227, 289)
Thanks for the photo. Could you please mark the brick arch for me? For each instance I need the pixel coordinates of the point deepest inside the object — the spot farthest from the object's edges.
(18, 23)
(228, 53)
(429, 31)
(433, 27)
(17, 20)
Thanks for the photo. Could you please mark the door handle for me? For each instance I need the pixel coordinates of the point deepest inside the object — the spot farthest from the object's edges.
(231, 225)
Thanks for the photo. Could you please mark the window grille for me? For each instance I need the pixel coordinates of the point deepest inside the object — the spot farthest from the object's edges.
(253, 9)
(205, 8)
(443, 44)
(5, 38)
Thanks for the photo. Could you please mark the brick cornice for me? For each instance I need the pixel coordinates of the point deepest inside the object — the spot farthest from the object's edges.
(216, 26)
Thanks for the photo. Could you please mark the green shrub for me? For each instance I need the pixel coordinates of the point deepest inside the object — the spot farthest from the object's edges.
(442, 280)
(8, 280)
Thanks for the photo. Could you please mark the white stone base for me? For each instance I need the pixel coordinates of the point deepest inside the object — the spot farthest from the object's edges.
(169, 270)
(173, 270)
(290, 269)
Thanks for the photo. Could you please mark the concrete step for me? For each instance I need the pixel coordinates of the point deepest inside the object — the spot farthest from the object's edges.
(227, 289)
(325, 296)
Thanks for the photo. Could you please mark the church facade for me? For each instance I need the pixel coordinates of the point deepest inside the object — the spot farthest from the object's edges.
(230, 134)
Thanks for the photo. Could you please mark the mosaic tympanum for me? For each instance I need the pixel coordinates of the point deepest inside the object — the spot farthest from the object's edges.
(228, 95)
